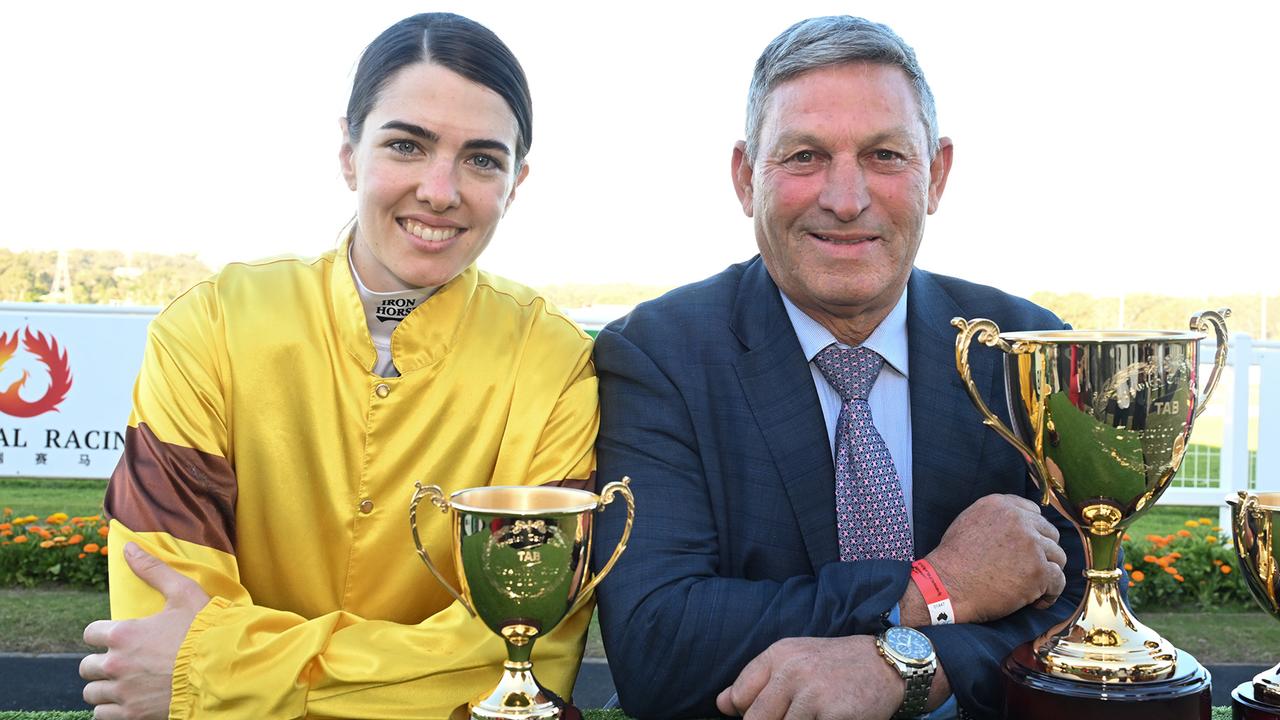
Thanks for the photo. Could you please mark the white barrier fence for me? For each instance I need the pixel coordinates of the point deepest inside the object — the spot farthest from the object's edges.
(1249, 392)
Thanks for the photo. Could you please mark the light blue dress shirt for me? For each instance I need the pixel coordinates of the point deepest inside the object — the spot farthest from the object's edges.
(890, 402)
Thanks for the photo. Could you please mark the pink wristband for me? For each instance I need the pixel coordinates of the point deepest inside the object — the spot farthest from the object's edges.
(935, 593)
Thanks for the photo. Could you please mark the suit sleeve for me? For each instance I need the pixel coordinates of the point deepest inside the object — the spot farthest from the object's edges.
(173, 494)
(677, 632)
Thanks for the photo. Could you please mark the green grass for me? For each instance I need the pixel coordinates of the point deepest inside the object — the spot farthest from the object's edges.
(43, 497)
(1216, 638)
(1166, 519)
(49, 619)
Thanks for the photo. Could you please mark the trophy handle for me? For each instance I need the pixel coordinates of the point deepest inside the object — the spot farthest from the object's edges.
(1201, 322)
(988, 333)
(439, 500)
(606, 497)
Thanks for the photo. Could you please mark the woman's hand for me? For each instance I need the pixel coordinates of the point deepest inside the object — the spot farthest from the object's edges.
(134, 678)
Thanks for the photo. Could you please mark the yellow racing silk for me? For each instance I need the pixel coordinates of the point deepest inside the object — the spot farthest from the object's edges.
(264, 460)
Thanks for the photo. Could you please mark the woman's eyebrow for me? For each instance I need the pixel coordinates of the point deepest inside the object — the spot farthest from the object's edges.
(496, 145)
(415, 130)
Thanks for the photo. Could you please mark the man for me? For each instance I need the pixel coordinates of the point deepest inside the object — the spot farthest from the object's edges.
(783, 502)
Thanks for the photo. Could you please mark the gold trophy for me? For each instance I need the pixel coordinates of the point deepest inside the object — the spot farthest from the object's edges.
(1253, 529)
(1102, 419)
(522, 555)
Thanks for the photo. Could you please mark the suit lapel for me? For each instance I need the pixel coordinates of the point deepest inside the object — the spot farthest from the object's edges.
(947, 433)
(779, 389)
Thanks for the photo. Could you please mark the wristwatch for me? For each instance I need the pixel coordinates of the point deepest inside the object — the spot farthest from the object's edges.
(910, 653)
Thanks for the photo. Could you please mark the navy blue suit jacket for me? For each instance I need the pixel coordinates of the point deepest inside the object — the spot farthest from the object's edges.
(708, 404)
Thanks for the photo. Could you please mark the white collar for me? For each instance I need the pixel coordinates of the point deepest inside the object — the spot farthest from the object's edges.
(889, 339)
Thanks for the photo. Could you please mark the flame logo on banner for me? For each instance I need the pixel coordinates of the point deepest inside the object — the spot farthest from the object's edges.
(11, 403)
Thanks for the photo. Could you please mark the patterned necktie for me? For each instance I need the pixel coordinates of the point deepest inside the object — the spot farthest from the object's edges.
(871, 515)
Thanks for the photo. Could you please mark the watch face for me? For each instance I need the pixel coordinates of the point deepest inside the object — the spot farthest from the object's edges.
(910, 644)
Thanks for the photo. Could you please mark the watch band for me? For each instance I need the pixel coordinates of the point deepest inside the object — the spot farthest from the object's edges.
(918, 680)
(917, 674)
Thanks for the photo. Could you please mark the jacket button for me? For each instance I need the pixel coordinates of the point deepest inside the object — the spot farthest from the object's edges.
(382, 390)
(366, 507)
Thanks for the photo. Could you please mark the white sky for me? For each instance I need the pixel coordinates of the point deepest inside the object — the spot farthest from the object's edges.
(1100, 146)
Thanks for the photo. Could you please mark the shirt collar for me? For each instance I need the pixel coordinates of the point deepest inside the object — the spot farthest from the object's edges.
(889, 339)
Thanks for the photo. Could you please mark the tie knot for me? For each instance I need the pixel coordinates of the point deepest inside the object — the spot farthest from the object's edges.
(851, 371)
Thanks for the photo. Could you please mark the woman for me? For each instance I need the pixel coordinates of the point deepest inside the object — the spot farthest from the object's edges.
(285, 409)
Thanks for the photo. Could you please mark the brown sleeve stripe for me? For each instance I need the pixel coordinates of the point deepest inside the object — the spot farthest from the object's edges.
(161, 487)
(588, 484)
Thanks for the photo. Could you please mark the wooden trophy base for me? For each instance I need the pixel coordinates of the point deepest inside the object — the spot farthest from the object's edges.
(1245, 705)
(1033, 695)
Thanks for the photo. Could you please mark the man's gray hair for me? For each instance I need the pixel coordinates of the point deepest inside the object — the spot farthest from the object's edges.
(834, 40)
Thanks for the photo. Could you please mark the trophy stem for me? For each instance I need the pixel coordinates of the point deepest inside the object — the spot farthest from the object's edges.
(518, 696)
(1102, 641)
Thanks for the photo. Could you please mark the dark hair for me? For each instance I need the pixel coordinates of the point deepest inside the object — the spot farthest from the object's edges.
(451, 41)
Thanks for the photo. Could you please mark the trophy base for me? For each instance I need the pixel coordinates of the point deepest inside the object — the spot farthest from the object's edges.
(520, 697)
(1034, 695)
(1246, 705)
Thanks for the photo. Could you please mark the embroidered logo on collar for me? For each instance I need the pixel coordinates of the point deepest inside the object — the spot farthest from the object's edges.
(394, 309)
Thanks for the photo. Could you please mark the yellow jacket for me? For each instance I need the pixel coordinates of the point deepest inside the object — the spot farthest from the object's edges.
(266, 462)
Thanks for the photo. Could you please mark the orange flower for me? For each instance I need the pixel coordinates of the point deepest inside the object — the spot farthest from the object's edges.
(6, 526)
(1211, 538)
(81, 556)
(8, 511)
(1154, 538)
(75, 539)
(1164, 561)
(1226, 569)
(1206, 521)
(1171, 570)
(103, 551)
(1128, 566)
(5, 533)
(1179, 578)
(1217, 563)
(1138, 576)
(1149, 558)
(91, 548)
(20, 539)
(1175, 555)
(46, 544)
(1184, 533)
(103, 530)
(1125, 537)
(56, 519)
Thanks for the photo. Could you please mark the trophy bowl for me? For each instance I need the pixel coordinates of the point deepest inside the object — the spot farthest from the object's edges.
(523, 555)
(1102, 419)
(1253, 534)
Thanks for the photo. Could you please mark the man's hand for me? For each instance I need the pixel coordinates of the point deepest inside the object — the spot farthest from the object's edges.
(134, 677)
(998, 556)
(816, 678)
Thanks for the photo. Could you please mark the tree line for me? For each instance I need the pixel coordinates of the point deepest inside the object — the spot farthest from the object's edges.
(98, 277)
(112, 277)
